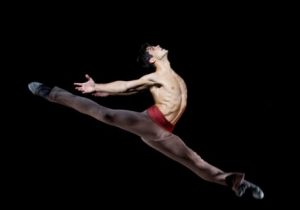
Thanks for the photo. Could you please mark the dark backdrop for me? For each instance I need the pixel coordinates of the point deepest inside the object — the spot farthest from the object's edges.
(233, 65)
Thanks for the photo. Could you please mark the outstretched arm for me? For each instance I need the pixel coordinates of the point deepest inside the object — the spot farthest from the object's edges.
(116, 87)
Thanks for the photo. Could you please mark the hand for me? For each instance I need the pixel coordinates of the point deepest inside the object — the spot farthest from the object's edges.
(86, 87)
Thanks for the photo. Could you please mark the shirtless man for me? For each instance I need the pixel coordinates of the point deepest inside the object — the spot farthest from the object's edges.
(154, 125)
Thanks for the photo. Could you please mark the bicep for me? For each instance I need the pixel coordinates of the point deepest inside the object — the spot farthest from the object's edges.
(140, 84)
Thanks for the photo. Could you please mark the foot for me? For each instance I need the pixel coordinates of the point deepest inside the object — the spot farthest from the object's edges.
(240, 186)
(246, 187)
(39, 89)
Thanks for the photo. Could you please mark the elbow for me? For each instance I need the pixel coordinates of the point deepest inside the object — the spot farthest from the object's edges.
(124, 88)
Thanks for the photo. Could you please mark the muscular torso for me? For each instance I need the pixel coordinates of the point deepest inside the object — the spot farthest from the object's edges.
(171, 96)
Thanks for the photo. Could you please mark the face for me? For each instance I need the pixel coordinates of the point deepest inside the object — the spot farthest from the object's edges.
(157, 52)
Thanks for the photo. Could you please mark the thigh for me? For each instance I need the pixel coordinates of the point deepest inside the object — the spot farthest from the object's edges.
(138, 123)
(171, 145)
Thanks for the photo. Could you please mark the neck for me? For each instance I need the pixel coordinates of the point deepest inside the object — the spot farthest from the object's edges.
(163, 64)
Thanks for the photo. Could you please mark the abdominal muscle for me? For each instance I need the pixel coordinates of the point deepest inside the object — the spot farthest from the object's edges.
(171, 98)
(171, 114)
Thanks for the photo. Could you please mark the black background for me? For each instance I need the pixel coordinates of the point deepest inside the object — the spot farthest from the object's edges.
(234, 63)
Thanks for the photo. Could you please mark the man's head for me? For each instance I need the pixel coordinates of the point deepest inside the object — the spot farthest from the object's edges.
(150, 54)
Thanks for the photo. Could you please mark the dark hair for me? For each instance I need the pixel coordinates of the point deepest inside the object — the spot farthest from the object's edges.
(144, 57)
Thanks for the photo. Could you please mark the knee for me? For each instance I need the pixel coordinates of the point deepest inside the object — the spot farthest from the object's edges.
(105, 116)
(108, 117)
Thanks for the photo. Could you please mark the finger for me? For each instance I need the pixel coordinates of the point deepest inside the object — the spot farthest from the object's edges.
(78, 84)
(79, 89)
(87, 76)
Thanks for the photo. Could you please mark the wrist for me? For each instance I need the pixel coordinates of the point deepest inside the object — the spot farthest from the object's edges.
(96, 87)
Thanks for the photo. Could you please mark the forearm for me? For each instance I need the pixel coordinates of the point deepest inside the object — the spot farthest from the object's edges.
(112, 87)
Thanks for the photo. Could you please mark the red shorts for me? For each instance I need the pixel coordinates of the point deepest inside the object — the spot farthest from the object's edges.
(158, 117)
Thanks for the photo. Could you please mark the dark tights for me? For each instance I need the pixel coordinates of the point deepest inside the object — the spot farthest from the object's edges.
(140, 124)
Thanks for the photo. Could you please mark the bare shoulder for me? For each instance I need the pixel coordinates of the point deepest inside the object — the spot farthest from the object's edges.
(178, 76)
(152, 78)
(180, 79)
